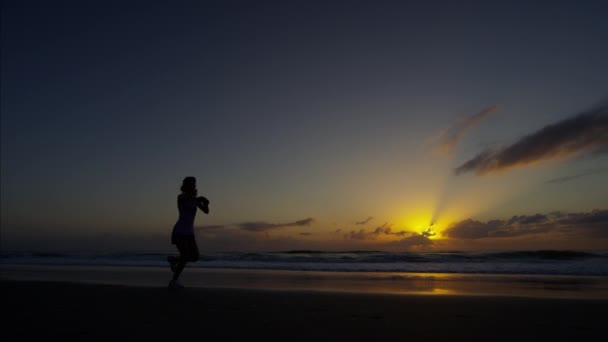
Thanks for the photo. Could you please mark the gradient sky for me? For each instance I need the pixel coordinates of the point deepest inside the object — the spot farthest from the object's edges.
(308, 124)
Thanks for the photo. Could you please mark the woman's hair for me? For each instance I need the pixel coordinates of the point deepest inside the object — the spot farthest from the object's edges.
(188, 183)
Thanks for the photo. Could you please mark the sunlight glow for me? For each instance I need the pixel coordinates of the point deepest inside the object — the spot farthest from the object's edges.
(421, 223)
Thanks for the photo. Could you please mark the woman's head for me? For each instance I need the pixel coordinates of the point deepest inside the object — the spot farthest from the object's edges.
(189, 185)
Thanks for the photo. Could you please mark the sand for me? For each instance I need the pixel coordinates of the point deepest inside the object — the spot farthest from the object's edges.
(522, 285)
(35, 309)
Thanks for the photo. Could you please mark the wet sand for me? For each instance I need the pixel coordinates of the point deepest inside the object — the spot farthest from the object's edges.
(535, 286)
(35, 309)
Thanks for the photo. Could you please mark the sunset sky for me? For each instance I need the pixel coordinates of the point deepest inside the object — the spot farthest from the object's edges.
(343, 125)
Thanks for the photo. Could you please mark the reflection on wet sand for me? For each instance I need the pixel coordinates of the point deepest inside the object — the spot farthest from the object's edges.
(366, 282)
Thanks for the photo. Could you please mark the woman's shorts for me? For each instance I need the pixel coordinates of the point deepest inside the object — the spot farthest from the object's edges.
(186, 245)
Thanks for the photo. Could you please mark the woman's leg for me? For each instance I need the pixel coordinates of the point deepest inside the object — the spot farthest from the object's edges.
(180, 261)
(188, 251)
(179, 267)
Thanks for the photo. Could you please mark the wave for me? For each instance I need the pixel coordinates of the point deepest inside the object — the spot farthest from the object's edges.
(345, 256)
(387, 257)
(511, 262)
(547, 254)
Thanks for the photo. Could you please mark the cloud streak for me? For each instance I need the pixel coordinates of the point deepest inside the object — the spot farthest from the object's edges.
(576, 176)
(365, 221)
(593, 224)
(258, 226)
(449, 137)
(266, 226)
(586, 132)
(384, 229)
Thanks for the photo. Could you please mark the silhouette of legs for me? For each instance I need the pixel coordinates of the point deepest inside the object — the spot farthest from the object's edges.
(188, 251)
(179, 267)
(173, 260)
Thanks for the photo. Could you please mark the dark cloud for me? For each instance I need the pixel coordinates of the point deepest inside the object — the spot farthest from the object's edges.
(593, 223)
(417, 240)
(591, 218)
(266, 226)
(357, 235)
(365, 221)
(472, 229)
(528, 219)
(450, 136)
(576, 176)
(257, 226)
(387, 230)
(304, 222)
(253, 226)
(428, 232)
(583, 133)
(384, 229)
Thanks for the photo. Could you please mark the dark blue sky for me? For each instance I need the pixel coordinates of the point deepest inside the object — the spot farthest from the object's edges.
(283, 110)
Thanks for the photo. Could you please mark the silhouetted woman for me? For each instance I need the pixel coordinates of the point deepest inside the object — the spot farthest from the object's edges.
(183, 231)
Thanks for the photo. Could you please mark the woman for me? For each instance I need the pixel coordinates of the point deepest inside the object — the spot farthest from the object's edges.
(183, 231)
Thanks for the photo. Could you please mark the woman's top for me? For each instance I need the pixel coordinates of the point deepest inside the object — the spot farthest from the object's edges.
(187, 206)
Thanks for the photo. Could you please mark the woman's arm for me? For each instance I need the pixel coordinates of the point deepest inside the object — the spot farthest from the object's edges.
(203, 204)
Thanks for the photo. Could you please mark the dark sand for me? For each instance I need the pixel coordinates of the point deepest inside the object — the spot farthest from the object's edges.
(102, 312)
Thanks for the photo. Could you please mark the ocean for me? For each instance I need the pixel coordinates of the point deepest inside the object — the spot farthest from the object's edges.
(545, 262)
(564, 274)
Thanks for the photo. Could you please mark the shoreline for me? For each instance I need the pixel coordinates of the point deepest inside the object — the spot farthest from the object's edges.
(98, 312)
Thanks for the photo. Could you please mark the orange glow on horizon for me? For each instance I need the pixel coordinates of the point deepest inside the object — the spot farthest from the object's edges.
(421, 222)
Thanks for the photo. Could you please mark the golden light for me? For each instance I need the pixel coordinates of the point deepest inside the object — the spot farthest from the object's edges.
(442, 224)
(421, 224)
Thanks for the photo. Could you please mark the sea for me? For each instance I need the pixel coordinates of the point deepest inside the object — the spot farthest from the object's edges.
(542, 262)
(544, 273)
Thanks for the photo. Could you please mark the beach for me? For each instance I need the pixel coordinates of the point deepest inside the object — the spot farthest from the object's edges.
(93, 310)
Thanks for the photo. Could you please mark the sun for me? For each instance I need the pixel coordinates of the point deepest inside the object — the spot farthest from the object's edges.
(435, 231)
(419, 221)
(421, 224)
(429, 232)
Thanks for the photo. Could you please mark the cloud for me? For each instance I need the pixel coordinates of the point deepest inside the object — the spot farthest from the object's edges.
(266, 226)
(576, 176)
(449, 137)
(471, 229)
(584, 133)
(417, 240)
(357, 235)
(365, 221)
(594, 219)
(384, 229)
(593, 223)
(259, 226)
(528, 219)
(429, 232)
